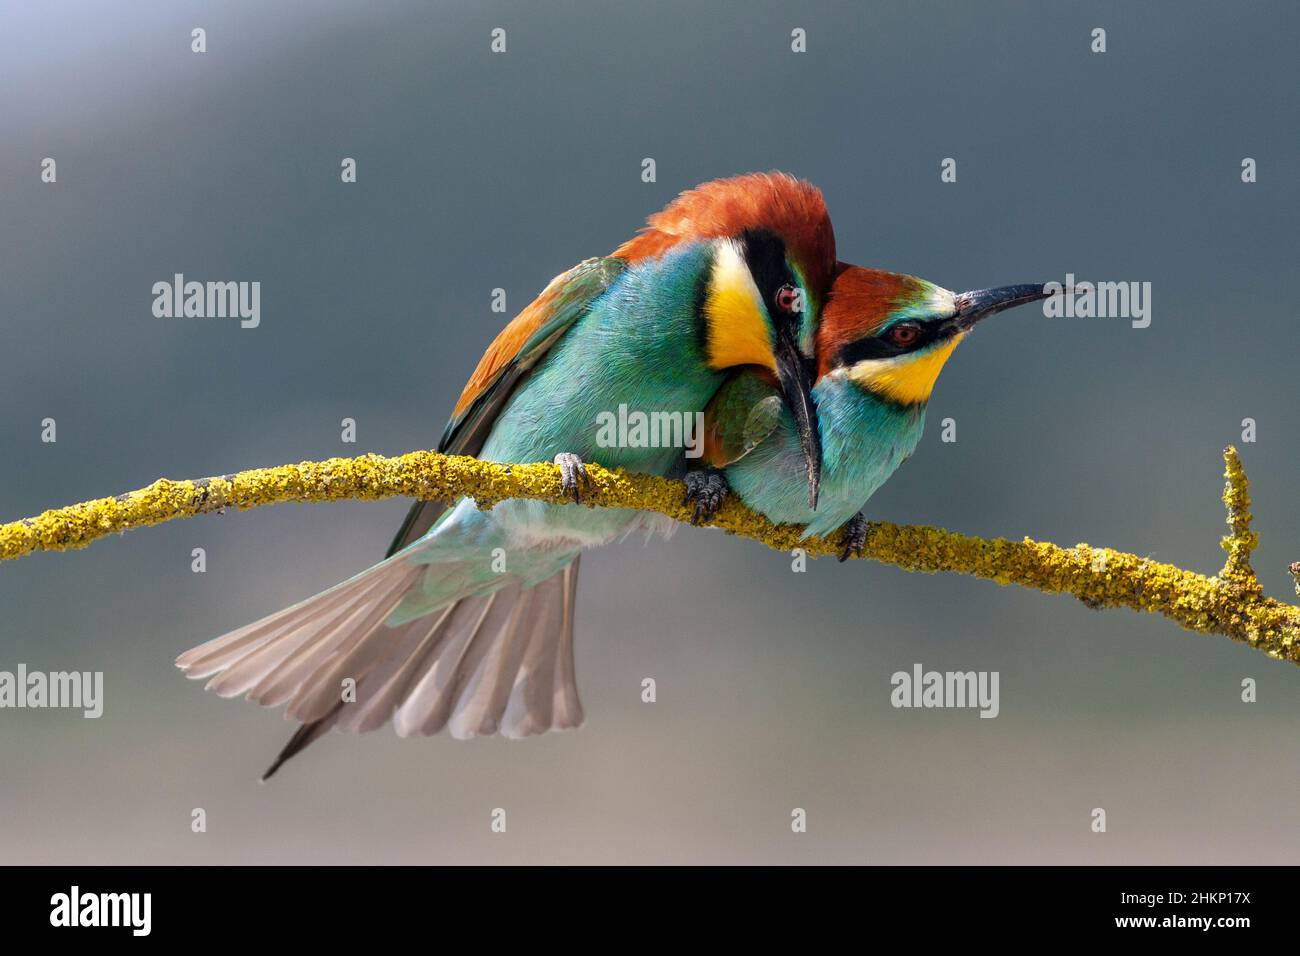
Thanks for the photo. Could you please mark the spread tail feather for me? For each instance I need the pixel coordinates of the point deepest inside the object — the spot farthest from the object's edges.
(491, 661)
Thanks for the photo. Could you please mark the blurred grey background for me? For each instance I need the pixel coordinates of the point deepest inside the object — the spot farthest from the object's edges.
(479, 170)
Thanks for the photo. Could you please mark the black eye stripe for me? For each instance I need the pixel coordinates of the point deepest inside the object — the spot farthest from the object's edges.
(879, 346)
(765, 255)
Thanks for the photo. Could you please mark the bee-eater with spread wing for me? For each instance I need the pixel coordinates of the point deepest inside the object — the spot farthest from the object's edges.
(881, 341)
(729, 275)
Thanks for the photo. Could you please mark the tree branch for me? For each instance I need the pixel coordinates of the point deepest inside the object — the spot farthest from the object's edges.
(1231, 603)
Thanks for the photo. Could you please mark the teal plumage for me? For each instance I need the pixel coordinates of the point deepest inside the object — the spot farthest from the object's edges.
(864, 440)
(882, 340)
(644, 329)
(468, 624)
(730, 303)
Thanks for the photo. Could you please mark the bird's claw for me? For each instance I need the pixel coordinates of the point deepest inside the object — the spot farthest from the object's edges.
(853, 537)
(573, 473)
(706, 489)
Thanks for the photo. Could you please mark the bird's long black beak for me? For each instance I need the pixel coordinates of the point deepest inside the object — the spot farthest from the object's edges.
(796, 378)
(981, 303)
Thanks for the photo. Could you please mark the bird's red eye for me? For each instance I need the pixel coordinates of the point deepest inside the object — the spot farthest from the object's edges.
(904, 335)
(789, 299)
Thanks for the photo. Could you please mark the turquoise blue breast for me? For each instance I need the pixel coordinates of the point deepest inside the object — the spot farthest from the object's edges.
(864, 440)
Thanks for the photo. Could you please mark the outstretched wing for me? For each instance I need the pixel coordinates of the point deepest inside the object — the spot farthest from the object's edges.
(744, 412)
(510, 357)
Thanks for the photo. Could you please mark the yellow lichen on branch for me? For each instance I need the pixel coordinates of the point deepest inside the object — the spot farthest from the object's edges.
(1231, 604)
(1242, 541)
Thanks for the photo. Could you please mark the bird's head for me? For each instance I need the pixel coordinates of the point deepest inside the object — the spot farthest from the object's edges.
(771, 263)
(890, 334)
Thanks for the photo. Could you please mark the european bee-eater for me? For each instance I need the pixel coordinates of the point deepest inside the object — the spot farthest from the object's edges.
(441, 633)
(881, 342)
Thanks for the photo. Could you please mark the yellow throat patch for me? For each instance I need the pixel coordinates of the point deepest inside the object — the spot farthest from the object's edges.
(737, 330)
(906, 379)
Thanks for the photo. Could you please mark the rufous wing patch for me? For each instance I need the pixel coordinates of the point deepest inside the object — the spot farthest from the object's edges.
(566, 297)
(507, 344)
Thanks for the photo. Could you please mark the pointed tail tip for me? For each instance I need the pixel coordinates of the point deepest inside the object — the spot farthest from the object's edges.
(294, 745)
(301, 739)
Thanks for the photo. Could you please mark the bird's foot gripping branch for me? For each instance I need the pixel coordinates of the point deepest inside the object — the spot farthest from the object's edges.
(1231, 603)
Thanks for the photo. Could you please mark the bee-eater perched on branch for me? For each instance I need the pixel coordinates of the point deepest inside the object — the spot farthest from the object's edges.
(812, 376)
(440, 633)
(882, 340)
